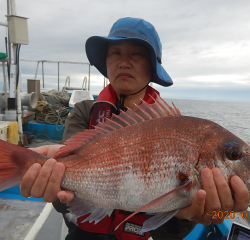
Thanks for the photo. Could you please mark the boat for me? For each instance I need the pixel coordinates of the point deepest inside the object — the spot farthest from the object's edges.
(40, 214)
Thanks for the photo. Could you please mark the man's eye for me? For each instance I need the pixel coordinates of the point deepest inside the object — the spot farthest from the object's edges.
(115, 52)
(137, 53)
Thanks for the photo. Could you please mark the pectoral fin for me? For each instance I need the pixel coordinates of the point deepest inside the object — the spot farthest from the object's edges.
(157, 220)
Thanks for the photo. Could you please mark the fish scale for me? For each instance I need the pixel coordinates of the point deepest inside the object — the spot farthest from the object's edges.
(144, 160)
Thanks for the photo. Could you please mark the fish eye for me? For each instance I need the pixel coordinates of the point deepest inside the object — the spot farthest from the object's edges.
(233, 153)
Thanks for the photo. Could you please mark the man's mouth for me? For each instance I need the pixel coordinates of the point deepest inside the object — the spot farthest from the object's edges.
(124, 75)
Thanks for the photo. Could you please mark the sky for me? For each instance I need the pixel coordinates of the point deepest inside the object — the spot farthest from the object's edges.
(206, 43)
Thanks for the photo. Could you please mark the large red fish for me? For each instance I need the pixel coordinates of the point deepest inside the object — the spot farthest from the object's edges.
(148, 159)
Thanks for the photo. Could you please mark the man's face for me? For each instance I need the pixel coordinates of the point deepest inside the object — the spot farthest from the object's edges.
(129, 67)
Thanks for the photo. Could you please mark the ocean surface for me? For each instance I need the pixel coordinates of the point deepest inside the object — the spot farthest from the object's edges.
(234, 116)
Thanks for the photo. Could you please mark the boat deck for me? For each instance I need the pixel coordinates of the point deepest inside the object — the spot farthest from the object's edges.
(17, 217)
(26, 220)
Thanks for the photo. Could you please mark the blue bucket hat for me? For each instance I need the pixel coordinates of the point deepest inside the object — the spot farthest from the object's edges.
(127, 29)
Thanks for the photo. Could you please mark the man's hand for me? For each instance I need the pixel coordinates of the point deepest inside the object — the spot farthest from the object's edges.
(216, 197)
(44, 181)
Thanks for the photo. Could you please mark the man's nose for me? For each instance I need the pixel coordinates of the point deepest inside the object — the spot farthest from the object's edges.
(124, 60)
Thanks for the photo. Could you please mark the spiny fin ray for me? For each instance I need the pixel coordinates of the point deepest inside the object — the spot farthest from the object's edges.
(139, 114)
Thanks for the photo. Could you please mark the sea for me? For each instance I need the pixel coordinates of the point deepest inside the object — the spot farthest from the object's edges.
(234, 116)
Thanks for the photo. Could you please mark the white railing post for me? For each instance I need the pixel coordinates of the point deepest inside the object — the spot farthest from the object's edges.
(36, 69)
(58, 77)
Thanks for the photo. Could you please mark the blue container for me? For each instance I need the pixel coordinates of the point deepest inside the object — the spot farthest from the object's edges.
(41, 130)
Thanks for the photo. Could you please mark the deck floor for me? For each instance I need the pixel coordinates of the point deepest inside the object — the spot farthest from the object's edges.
(17, 217)
(51, 229)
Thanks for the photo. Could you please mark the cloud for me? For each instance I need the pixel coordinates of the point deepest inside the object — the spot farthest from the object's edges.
(206, 48)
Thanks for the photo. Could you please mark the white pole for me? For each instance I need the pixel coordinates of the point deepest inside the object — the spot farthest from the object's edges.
(18, 93)
(9, 44)
(5, 87)
(19, 110)
(13, 7)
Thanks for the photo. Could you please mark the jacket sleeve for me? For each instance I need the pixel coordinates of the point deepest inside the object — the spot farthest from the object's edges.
(78, 120)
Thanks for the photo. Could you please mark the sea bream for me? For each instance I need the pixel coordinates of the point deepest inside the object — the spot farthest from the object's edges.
(148, 159)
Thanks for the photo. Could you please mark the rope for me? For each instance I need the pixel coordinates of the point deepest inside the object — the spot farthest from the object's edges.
(53, 116)
(46, 136)
(56, 98)
(54, 108)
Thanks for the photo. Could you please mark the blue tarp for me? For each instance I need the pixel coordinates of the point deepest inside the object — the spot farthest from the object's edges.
(14, 193)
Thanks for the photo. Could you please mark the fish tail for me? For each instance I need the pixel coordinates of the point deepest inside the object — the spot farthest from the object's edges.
(14, 162)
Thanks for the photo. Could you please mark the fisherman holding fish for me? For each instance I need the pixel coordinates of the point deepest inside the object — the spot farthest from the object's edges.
(130, 57)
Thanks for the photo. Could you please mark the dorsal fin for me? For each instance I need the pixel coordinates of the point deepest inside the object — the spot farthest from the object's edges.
(139, 114)
(150, 110)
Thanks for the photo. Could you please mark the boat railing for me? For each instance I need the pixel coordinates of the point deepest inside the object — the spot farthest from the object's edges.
(58, 69)
(86, 84)
(68, 87)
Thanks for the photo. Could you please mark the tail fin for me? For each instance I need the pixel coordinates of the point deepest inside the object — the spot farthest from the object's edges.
(14, 162)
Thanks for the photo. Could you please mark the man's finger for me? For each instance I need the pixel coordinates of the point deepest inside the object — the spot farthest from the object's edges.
(241, 195)
(29, 179)
(197, 208)
(195, 211)
(212, 199)
(223, 190)
(66, 196)
(53, 186)
(42, 179)
(224, 194)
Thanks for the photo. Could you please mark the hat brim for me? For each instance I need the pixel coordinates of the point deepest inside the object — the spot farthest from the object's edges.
(96, 49)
